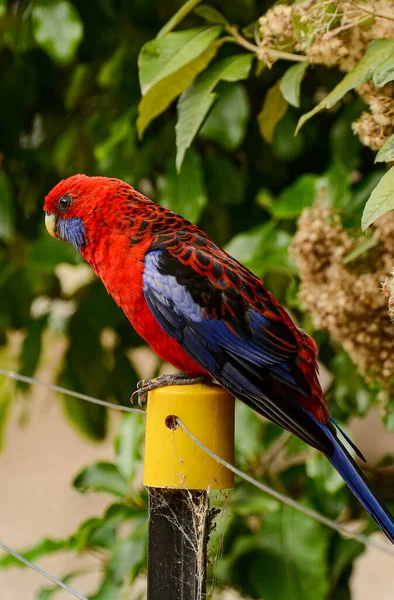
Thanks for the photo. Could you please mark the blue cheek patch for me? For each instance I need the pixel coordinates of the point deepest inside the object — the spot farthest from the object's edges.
(71, 230)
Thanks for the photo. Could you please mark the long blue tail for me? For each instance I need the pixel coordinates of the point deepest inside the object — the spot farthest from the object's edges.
(359, 485)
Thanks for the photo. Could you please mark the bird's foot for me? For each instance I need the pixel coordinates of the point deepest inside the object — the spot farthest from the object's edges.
(147, 385)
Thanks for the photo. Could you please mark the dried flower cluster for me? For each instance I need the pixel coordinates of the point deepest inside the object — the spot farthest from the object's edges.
(336, 33)
(277, 31)
(346, 302)
(388, 293)
(375, 127)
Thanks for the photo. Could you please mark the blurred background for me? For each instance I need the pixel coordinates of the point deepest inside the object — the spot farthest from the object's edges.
(70, 472)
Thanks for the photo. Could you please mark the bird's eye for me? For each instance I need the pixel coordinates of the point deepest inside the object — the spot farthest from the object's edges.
(64, 202)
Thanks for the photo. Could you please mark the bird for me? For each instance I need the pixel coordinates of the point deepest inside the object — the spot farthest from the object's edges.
(204, 312)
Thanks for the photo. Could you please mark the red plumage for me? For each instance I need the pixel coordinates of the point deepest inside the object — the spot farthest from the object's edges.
(202, 311)
(121, 225)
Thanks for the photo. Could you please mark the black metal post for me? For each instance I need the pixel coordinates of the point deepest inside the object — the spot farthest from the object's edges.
(177, 544)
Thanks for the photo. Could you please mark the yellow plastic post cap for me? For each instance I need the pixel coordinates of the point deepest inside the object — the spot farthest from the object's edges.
(172, 458)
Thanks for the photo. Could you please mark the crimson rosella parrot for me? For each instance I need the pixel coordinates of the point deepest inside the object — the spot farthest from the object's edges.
(202, 311)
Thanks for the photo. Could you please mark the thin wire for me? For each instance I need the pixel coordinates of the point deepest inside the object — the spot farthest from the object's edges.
(42, 572)
(261, 486)
(286, 500)
(62, 390)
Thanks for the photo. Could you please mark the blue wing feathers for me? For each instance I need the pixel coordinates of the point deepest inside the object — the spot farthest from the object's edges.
(342, 461)
(256, 365)
(240, 364)
(349, 441)
(172, 300)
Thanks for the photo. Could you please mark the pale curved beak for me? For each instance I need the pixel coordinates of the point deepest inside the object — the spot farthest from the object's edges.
(50, 224)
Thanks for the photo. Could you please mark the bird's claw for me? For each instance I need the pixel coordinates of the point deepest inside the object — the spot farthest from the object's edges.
(141, 393)
(147, 385)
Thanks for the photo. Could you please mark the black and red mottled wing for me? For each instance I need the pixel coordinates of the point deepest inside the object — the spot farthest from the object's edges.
(224, 318)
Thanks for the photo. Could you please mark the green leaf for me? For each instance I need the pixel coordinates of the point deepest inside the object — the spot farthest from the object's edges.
(380, 201)
(247, 433)
(198, 99)
(388, 416)
(304, 29)
(89, 419)
(274, 108)
(349, 389)
(286, 146)
(178, 17)
(102, 531)
(31, 348)
(91, 533)
(225, 181)
(86, 366)
(46, 253)
(79, 85)
(162, 57)
(129, 555)
(386, 153)
(211, 15)
(101, 477)
(319, 469)
(226, 124)
(184, 192)
(129, 444)
(384, 72)
(265, 198)
(338, 189)
(345, 147)
(123, 377)
(360, 249)
(345, 552)
(122, 129)
(108, 591)
(165, 91)
(290, 84)
(248, 501)
(362, 190)
(111, 70)
(286, 558)
(40, 549)
(7, 212)
(296, 197)
(377, 52)
(58, 29)
(263, 249)
(246, 245)
(48, 592)
(84, 370)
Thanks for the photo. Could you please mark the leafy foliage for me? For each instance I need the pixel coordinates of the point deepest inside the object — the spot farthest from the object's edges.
(196, 102)
(57, 28)
(274, 108)
(82, 83)
(284, 558)
(370, 66)
(290, 84)
(380, 200)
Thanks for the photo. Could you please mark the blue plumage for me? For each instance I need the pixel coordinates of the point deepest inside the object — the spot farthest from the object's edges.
(252, 362)
(343, 462)
(71, 230)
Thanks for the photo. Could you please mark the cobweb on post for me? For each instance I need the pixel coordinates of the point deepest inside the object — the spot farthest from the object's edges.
(186, 532)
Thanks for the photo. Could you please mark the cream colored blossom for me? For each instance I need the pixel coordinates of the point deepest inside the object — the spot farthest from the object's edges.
(336, 34)
(347, 300)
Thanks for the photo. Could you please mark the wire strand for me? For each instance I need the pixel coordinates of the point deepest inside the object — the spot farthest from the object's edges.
(261, 486)
(42, 572)
(62, 390)
(286, 500)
